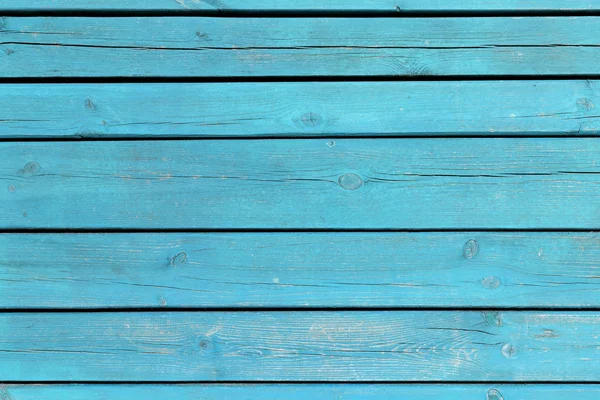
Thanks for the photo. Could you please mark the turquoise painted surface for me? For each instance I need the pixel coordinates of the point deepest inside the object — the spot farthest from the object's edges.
(302, 184)
(443, 302)
(307, 109)
(466, 269)
(301, 346)
(310, 5)
(301, 391)
(282, 47)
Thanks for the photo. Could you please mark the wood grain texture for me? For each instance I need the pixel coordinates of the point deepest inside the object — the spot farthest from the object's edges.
(292, 109)
(244, 47)
(302, 184)
(299, 392)
(309, 5)
(471, 269)
(301, 346)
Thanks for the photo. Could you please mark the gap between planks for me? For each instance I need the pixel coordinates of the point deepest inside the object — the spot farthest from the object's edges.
(226, 7)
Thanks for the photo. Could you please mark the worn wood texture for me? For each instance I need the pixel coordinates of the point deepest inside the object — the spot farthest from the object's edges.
(471, 269)
(225, 47)
(291, 109)
(299, 392)
(323, 183)
(302, 184)
(310, 5)
(301, 346)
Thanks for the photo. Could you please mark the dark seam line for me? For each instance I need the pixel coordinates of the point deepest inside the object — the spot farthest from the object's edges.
(299, 382)
(291, 136)
(291, 230)
(285, 79)
(290, 13)
(299, 309)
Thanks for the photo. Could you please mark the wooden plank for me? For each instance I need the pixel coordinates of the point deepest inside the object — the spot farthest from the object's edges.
(302, 184)
(309, 5)
(244, 47)
(471, 269)
(299, 392)
(299, 109)
(301, 346)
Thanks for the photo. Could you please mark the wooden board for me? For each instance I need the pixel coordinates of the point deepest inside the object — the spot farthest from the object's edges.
(301, 346)
(302, 184)
(310, 5)
(299, 392)
(470, 269)
(293, 109)
(245, 47)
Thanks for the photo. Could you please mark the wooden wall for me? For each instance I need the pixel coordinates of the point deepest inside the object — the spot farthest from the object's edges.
(270, 200)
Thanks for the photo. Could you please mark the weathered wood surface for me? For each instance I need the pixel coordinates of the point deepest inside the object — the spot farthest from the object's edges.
(301, 346)
(302, 184)
(299, 392)
(471, 269)
(309, 5)
(243, 47)
(290, 109)
(328, 183)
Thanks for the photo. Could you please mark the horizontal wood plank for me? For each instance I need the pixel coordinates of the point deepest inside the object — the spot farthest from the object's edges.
(293, 109)
(301, 346)
(298, 391)
(302, 184)
(309, 5)
(244, 47)
(471, 269)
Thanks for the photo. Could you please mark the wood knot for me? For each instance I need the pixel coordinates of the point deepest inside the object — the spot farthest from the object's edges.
(311, 119)
(31, 168)
(205, 345)
(11, 188)
(201, 35)
(350, 181)
(471, 249)
(494, 394)
(89, 104)
(585, 104)
(509, 351)
(331, 143)
(491, 282)
(178, 259)
(161, 301)
(492, 318)
(8, 52)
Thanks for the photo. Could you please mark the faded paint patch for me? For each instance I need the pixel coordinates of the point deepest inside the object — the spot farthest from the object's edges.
(193, 4)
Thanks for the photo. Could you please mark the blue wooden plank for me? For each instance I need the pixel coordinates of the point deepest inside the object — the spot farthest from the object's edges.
(467, 269)
(301, 346)
(299, 392)
(302, 184)
(244, 47)
(292, 109)
(308, 5)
